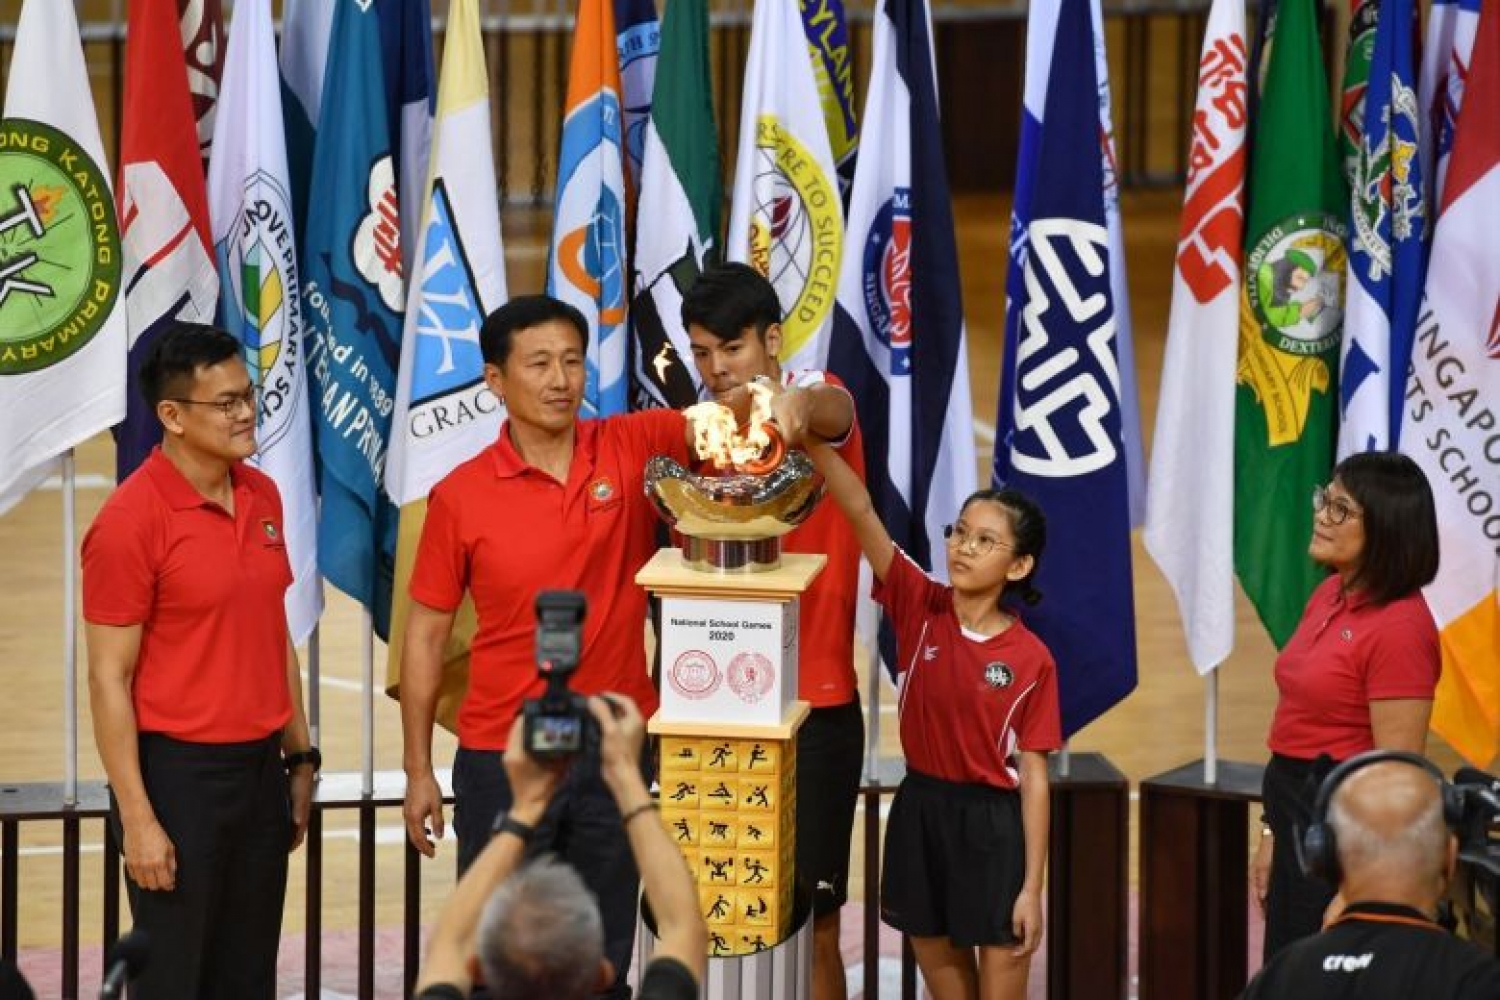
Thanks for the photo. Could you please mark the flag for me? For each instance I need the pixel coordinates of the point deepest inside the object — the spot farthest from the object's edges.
(1041, 24)
(681, 193)
(1190, 514)
(406, 54)
(827, 29)
(638, 41)
(305, 25)
(1065, 447)
(1291, 320)
(201, 23)
(786, 217)
(1453, 395)
(1387, 240)
(352, 300)
(444, 412)
(898, 333)
(62, 331)
(586, 265)
(1363, 16)
(167, 243)
(1440, 90)
(255, 248)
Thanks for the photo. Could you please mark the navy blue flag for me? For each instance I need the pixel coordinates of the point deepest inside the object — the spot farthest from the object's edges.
(410, 96)
(898, 330)
(1061, 411)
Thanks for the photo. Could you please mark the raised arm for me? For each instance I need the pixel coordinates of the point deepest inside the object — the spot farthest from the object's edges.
(854, 500)
(421, 677)
(668, 883)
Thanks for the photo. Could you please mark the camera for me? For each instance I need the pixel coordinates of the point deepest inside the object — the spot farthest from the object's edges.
(558, 723)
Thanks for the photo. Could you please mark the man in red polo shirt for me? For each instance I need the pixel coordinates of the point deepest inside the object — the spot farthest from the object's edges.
(556, 503)
(193, 681)
(733, 319)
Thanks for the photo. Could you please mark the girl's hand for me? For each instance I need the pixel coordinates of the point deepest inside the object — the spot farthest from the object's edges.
(1026, 922)
(1260, 870)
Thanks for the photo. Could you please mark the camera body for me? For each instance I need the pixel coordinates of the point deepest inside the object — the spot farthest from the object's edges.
(558, 723)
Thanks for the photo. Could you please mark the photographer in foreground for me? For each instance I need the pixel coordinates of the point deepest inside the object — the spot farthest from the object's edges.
(536, 931)
(1381, 833)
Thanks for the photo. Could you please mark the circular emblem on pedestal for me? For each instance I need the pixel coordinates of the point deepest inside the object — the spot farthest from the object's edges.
(751, 676)
(694, 675)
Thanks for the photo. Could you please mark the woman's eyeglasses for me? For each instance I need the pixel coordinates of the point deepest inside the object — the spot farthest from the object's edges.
(1336, 509)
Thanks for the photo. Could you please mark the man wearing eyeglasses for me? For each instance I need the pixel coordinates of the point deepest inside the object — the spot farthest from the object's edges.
(193, 681)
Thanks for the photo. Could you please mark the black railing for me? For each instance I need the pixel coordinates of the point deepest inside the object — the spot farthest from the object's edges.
(40, 805)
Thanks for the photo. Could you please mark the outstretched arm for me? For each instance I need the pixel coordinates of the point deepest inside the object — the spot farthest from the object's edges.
(665, 876)
(854, 500)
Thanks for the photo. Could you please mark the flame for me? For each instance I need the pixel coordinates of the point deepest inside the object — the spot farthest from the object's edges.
(46, 200)
(718, 438)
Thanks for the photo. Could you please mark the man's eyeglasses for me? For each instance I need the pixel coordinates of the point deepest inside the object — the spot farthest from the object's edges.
(229, 405)
(1338, 511)
(961, 538)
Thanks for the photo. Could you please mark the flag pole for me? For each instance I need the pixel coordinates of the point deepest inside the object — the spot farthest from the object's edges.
(314, 689)
(872, 718)
(1065, 760)
(367, 699)
(1211, 728)
(70, 631)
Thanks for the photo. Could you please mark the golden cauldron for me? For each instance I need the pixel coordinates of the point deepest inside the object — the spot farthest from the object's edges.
(734, 523)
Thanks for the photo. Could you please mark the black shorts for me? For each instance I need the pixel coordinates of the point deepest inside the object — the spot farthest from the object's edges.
(830, 745)
(955, 860)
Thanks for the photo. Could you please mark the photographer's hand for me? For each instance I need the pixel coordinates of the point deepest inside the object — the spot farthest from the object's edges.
(622, 732)
(532, 783)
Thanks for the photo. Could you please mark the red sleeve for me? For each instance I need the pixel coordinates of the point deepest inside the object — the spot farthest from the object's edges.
(1404, 659)
(666, 434)
(1040, 725)
(119, 575)
(441, 571)
(906, 596)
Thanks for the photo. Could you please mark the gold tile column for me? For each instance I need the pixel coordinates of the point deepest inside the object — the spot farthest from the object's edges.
(729, 802)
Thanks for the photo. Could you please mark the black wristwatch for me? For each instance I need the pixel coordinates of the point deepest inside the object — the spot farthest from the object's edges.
(506, 823)
(312, 755)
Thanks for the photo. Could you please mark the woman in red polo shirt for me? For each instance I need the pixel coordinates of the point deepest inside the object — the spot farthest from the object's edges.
(1358, 673)
(966, 841)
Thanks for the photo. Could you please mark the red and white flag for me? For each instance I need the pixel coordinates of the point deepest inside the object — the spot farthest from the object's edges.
(202, 26)
(164, 228)
(1190, 505)
(1452, 425)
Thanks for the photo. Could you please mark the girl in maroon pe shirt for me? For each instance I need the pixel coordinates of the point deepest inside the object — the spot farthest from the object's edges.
(966, 842)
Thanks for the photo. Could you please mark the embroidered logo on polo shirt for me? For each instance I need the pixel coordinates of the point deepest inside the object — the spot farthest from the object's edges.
(269, 527)
(998, 675)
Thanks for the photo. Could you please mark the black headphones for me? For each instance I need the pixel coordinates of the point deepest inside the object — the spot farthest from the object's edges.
(1317, 849)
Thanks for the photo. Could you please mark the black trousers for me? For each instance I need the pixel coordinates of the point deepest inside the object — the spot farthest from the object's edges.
(581, 826)
(226, 809)
(1294, 902)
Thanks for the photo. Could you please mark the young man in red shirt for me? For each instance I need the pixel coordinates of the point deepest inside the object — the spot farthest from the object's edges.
(733, 319)
(194, 683)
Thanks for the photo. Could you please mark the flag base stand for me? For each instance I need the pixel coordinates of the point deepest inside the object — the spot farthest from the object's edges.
(1194, 853)
(1088, 881)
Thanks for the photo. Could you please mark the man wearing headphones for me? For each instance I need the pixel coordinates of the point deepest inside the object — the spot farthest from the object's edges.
(1382, 834)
